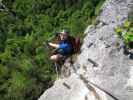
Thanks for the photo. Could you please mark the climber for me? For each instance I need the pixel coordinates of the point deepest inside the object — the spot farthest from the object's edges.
(66, 46)
(63, 47)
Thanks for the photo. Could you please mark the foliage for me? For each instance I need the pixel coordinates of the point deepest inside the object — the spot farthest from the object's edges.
(126, 33)
(25, 69)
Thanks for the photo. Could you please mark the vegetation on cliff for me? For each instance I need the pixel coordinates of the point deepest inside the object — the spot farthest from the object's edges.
(125, 32)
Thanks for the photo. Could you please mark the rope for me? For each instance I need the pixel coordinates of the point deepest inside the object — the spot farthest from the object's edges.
(56, 69)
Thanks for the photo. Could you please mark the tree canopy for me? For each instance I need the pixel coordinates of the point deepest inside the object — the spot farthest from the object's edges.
(25, 71)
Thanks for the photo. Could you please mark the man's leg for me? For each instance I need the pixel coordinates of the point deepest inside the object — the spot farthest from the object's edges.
(56, 57)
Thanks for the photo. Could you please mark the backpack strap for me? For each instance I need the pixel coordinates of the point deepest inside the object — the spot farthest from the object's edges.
(75, 42)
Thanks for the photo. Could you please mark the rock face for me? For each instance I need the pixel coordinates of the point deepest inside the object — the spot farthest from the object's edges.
(102, 71)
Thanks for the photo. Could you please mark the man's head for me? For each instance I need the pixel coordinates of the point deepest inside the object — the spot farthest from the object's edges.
(64, 34)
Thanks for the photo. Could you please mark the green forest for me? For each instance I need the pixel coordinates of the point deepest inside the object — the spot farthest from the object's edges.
(25, 69)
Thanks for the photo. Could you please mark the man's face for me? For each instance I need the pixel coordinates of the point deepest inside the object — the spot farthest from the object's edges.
(63, 36)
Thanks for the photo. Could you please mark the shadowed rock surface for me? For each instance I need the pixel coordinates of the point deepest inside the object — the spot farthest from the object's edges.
(102, 71)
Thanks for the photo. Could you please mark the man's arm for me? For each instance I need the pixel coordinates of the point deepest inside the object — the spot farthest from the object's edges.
(54, 45)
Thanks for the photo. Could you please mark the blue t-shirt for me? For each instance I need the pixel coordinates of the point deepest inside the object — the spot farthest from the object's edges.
(65, 48)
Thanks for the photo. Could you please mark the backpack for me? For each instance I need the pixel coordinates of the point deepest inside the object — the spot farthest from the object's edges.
(75, 42)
